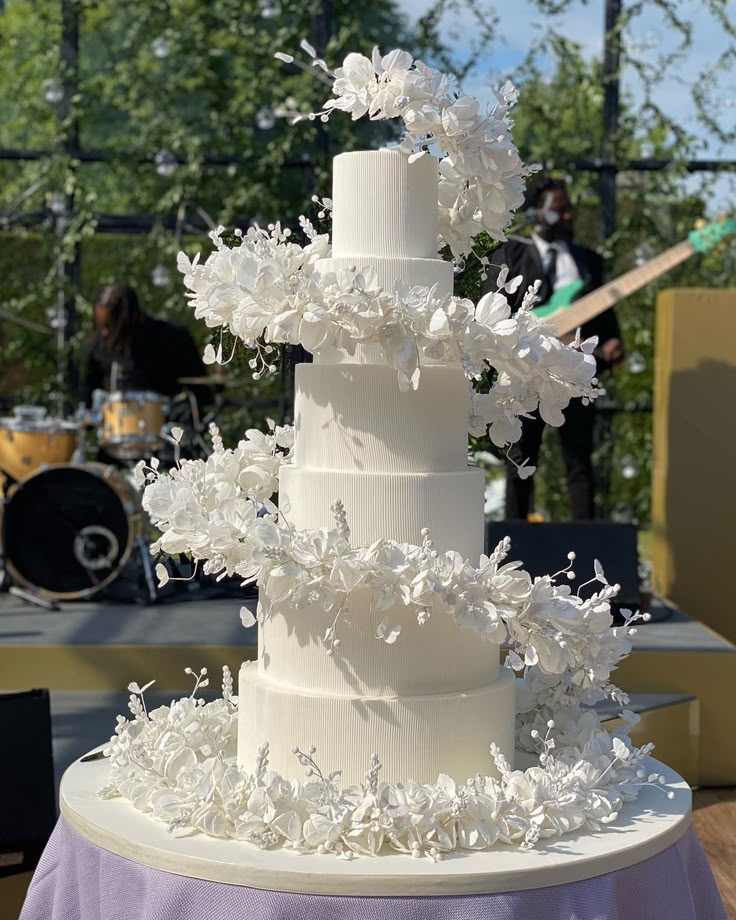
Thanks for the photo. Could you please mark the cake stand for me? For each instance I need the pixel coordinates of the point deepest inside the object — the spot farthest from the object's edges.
(643, 829)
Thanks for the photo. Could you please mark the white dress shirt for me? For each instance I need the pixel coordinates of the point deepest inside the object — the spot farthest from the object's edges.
(566, 269)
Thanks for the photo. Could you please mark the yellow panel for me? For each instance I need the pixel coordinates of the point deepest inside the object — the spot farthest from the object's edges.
(708, 676)
(694, 451)
(675, 730)
(13, 890)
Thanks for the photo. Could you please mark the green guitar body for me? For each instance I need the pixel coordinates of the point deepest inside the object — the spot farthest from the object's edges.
(702, 239)
(562, 298)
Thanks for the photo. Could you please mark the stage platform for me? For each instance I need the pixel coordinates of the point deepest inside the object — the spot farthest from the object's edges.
(682, 675)
(96, 645)
(680, 655)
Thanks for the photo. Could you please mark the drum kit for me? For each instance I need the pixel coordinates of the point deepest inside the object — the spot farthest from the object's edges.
(71, 525)
(68, 525)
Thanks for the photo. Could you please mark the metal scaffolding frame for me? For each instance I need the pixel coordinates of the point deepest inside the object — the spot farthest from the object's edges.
(69, 271)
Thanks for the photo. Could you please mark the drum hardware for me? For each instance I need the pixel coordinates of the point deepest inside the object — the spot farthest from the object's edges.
(215, 382)
(25, 323)
(145, 556)
(31, 597)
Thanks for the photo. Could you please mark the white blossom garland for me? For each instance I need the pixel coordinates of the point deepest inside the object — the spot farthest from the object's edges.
(481, 176)
(266, 290)
(220, 512)
(177, 764)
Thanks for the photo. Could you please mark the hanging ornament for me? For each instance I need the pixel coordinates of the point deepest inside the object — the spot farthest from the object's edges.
(628, 468)
(56, 203)
(160, 276)
(53, 91)
(265, 118)
(166, 163)
(160, 47)
(268, 8)
(636, 362)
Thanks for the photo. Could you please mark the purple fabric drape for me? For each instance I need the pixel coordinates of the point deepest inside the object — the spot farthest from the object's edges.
(77, 880)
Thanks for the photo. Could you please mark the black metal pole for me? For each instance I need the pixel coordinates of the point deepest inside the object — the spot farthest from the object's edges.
(611, 108)
(321, 33)
(69, 264)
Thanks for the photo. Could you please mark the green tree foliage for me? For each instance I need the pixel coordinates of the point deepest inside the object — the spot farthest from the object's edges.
(178, 78)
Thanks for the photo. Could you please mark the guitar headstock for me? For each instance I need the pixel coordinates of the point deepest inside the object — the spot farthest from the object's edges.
(704, 238)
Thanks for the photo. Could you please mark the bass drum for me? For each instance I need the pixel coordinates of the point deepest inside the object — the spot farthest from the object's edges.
(68, 530)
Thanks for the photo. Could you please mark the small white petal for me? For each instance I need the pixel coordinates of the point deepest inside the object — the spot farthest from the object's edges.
(247, 618)
(162, 574)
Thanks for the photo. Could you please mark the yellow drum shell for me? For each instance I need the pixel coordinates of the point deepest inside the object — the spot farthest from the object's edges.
(24, 449)
(132, 423)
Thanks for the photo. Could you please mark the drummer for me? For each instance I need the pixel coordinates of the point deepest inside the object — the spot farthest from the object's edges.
(130, 350)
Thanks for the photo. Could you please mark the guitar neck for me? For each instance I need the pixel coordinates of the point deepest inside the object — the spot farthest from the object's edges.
(604, 297)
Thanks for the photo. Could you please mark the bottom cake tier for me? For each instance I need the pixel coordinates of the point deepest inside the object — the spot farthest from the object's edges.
(416, 738)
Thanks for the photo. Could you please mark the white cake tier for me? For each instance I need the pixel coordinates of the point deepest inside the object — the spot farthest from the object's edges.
(395, 506)
(391, 271)
(416, 737)
(436, 658)
(383, 205)
(354, 417)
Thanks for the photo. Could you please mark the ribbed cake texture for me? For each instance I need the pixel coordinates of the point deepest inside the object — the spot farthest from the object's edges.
(435, 700)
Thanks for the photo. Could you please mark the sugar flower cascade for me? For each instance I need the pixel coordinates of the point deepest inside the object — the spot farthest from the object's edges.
(266, 290)
(176, 765)
(222, 512)
(481, 173)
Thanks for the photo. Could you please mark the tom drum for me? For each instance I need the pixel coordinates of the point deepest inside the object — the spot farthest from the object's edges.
(131, 423)
(29, 440)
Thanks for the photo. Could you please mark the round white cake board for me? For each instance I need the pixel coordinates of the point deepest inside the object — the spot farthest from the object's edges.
(643, 829)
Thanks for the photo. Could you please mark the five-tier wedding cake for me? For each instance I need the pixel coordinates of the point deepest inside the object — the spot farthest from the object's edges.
(377, 717)
(433, 702)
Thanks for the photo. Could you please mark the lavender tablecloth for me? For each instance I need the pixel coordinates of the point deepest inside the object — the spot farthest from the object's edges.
(77, 880)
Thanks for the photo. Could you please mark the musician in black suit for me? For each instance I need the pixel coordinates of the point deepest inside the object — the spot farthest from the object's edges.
(551, 255)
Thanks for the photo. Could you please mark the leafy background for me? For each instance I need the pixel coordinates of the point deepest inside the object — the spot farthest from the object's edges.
(199, 81)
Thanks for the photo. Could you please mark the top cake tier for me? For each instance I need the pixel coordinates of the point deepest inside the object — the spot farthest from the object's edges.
(384, 206)
(385, 218)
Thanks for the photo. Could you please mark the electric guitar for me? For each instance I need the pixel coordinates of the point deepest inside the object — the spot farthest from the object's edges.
(566, 314)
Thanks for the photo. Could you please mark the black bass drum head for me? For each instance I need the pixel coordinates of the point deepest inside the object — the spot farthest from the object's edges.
(68, 530)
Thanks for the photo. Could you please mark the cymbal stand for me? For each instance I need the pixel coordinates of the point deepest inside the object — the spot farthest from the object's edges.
(145, 555)
(199, 425)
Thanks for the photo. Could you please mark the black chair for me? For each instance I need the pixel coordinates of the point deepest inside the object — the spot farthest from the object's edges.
(27, 786)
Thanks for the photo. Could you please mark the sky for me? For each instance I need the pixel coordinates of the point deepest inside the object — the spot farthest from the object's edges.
(584, 24)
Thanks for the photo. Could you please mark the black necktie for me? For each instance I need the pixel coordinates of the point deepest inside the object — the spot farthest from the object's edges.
(551, 266)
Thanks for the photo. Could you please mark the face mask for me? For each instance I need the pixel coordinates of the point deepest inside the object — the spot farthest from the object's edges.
(557, 232)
